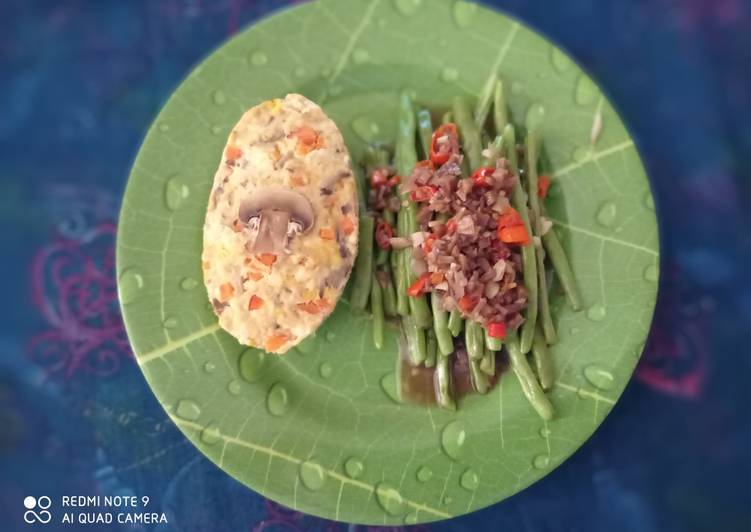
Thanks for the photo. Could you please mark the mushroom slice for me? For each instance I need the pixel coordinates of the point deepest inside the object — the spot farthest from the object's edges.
(275, 216)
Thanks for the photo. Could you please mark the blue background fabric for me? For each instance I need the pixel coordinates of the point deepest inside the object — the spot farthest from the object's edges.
(80, 82)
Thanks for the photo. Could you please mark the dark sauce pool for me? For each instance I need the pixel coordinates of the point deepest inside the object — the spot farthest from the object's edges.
(417, 382)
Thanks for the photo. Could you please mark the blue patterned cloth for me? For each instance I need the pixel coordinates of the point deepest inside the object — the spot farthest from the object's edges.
(81, 80)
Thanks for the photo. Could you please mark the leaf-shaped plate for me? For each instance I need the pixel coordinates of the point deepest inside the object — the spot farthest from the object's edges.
(316, 429)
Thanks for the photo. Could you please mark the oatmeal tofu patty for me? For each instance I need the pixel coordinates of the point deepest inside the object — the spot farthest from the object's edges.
(280, 234)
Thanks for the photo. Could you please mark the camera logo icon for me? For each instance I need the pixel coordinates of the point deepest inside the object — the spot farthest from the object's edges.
(36, 509)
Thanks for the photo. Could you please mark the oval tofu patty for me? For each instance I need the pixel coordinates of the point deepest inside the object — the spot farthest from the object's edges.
(280, 235)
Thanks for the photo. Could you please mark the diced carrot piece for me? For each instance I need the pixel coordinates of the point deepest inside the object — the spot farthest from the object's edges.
(275, 154)
(255, 302)
(436, 277)
(327, 233)
(226, 291)
(419, 286)
(276, 340)
(206, 265)
(267, 258)
(516, 234)
(467, 303)
(308, 139)
(510, 218)
(233, 153)
(347, 225)
(237, 226)
(256, 276)
(311, 307)
(298, 180)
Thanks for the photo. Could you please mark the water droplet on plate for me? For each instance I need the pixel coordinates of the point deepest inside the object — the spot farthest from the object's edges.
(410, 518)
(596, 312)
(388, 384)
(326, 72)
(649, 201)
(353, 467)
(300, 72)
(175, 192)
(651, 273)
(453, 437)
(252, 364)
(464, 13)
(573, 330)
(312, 475)
(545, 432)
(390, 499)
(360, 56)
(583, 393)
(188, 283)
(277, 401)
(330, 336)
(234, 387)
(517, 87)
(170, 323)
(407, 7)
(599, 377)
(541, 461)
(258, 58)
(586, 92)
(366, 128)
(449, 74)
(325, 370)
(579, 154)
(210, 434)
(469, 480)
(607, 213)
(218, 97)
(163, 127)
(424, 474)
(446, 500)
(209, 367)
(560, 60)
(187, 409)
(215, 130)
(535, 116)
(307, 346)
(131, 283)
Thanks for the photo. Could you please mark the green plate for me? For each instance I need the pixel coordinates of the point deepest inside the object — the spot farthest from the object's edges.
(317, 429)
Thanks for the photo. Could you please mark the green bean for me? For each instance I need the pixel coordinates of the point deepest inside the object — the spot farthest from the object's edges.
(500, 113)
(562, 268)
(492, 343)
(485, 101)
(442, 382)
(487, 364)
(389, 294)
(543, 361)
(440, 326)
(473, 340)
(529, 260)
(532, 147)
(376, 309)
(447, 117)
(401, 279)
(456, 322)
(479, 379)
(418, 350)
(363, 275)
(432, 348)
(469, 133)
(527, 380)
(405, 155)
(361, 182)
(425, 131)
(545, 318)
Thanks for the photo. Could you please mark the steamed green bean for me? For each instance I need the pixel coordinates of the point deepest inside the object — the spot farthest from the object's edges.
(442, 379)
(376, 309)
(527, 380)
(363, 271)
(543, 361)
